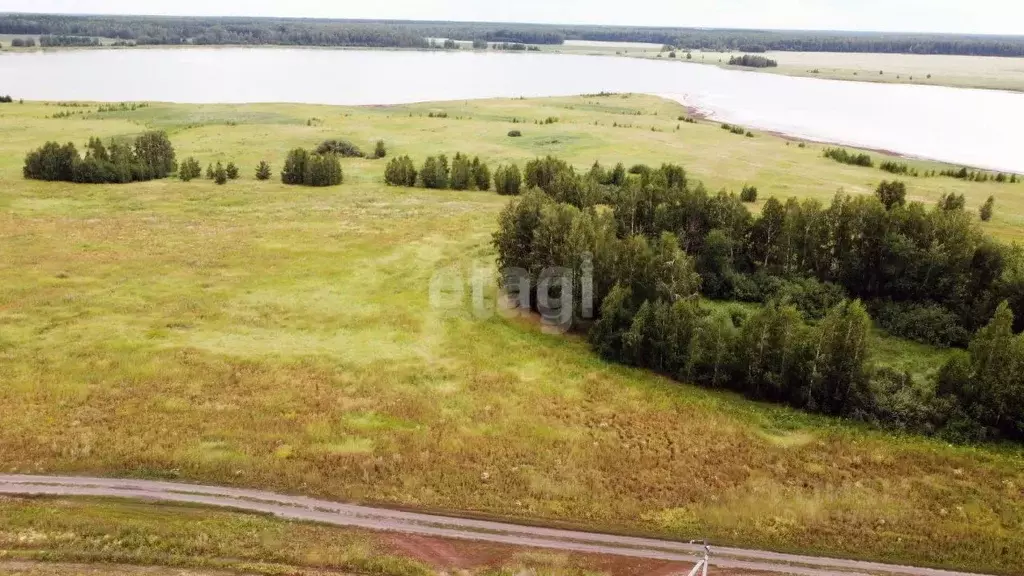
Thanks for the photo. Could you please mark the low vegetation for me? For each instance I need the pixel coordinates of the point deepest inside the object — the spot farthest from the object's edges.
(751, 61)
(844, 156)
(285, 338)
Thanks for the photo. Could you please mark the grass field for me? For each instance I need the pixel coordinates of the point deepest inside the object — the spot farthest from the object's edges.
(260, 335)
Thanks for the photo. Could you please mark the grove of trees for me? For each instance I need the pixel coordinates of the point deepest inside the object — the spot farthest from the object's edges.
(311, 169)
(753, 61)
(151, 156)
(659, 245)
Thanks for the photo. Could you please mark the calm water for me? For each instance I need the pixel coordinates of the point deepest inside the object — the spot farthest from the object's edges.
(975, 127)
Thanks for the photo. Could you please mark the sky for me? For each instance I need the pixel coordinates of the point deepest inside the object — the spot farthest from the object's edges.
(953, 16)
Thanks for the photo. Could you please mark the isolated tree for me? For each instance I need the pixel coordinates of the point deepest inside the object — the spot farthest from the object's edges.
(210, 175)
(263, 171)
(986, 209)
(892, 194)
(232, 171)
(380, 150)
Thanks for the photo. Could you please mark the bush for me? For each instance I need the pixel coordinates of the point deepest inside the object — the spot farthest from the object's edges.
(342, 148)
(508, 180)
(231, 171)
(749, 194)
(400, 172)
(380, 150)
(295, 166)
(514, 133)
(6, 99)
(752, 61)
(263, 171)
(985, 212)
(926, 323)
(220, 175)
(190, 169)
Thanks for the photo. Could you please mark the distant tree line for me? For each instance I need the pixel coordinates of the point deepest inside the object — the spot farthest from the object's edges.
(753, 61)
(151, 156)
(844, 156)
(233, 30)
(656, 244)
(48, 40)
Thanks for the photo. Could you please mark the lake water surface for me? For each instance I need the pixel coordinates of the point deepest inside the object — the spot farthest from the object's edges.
(981, 128)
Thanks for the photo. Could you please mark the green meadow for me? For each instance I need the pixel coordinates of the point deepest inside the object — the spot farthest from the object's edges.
(262, 335)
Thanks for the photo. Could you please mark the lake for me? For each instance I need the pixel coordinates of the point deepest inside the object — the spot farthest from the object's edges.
(980, 128)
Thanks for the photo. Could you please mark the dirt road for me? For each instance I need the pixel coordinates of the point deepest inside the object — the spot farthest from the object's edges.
(308, 509)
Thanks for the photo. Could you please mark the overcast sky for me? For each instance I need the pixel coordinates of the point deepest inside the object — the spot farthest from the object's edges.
(961, 16)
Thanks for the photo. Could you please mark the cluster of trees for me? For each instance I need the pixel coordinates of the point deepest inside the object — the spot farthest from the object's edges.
(462, 174)
(219, 173)
(655, 244)
(978, 176)
(23, 43)
(151, 156)
(47, 41)
(211, 30)
(6, 99)
(844, 156)
(306, 168)
(753, 61)
(898, 168)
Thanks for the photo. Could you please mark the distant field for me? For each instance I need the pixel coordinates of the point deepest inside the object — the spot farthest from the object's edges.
(958, 71)
(261, 335)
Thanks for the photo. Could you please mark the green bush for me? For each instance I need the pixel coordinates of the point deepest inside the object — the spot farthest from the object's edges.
(263, 171)
(400, 171)
(189, 169)
(514, 133)
(749, 194)
(380, 150)
(342, 148)
(232, 171)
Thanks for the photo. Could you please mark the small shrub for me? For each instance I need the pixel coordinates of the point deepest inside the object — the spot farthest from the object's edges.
(189, 169)
(985, 212)
(749, 194)
(342, 148)
(220, 175)
(380, 150)
(514, 133)
(263, 171)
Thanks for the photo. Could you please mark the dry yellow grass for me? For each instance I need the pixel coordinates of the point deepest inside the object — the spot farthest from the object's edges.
(261, 335)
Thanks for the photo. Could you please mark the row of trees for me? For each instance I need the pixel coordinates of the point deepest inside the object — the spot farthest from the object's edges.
(47, 41)
(844, 156)
(753, 61)
(151, 156)
(436, 173)
(655, 244)
(23, 43)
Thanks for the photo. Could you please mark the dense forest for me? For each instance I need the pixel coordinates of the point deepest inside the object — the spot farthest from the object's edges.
(657, 248)
(379, 33)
